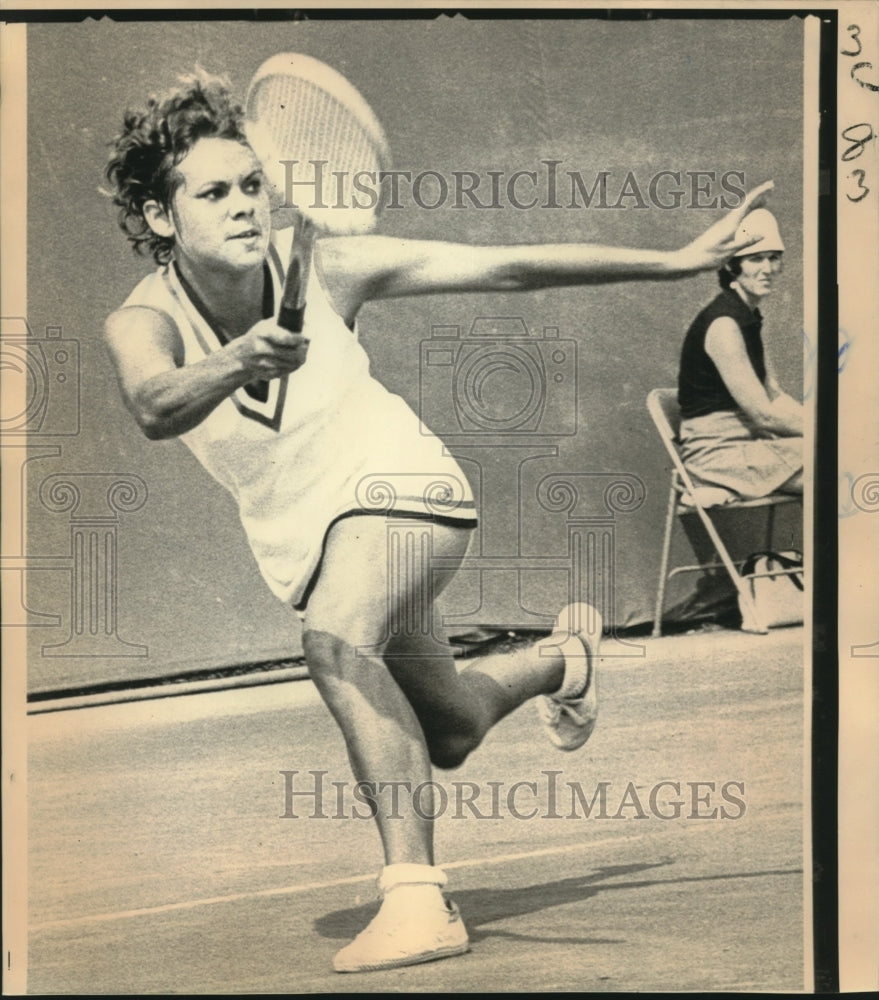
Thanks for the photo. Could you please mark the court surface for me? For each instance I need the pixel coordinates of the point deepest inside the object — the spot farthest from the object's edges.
(160, 859)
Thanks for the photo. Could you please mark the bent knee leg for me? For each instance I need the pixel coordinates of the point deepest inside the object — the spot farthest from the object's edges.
(359, 691)
(322, 650)
(451, 739)
(336, 666)
(450, 751)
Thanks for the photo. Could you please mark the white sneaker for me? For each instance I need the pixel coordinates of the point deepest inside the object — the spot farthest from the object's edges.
(404, 934)
(569, 714)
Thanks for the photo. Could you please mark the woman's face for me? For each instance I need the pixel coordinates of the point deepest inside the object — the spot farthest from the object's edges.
(220, 212)
(758, 273)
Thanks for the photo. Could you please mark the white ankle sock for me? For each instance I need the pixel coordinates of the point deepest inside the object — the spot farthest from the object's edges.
(419, 884)
(573, 655)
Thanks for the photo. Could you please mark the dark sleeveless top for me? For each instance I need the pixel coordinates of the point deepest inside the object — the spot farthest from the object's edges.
(701, 389)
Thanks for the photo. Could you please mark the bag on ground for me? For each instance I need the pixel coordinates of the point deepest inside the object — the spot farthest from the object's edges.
(777, 592)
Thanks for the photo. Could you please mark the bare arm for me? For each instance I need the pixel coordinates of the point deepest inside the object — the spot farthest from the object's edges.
(166, 396)
(778, 414)
(773, 388)
(360, 268)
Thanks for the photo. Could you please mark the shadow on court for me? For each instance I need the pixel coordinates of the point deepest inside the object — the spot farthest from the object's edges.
(481, 907)
(487, 906)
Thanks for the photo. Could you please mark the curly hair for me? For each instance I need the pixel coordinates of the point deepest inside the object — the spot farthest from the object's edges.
(153, 142)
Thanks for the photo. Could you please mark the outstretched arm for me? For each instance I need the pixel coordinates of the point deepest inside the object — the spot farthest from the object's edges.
(358, 269)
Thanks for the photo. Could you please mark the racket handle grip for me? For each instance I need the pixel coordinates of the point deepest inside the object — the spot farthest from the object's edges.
(291, 314)
(291, 318)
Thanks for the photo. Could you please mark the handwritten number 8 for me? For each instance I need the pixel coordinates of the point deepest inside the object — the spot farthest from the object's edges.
(857, 145)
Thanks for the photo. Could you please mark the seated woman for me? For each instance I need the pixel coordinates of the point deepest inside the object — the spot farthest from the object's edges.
(740, 434)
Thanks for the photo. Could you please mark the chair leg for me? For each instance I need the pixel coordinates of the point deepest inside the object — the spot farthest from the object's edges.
(663, 569)
(770, 527)
(751, 619)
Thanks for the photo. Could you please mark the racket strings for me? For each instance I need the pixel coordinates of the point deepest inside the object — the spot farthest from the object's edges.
(322, 149)
(305, 123)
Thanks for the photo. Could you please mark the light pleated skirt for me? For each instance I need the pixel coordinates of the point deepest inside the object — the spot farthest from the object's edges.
(723, 449)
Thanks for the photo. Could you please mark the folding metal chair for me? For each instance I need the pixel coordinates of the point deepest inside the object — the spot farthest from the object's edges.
(685, 498)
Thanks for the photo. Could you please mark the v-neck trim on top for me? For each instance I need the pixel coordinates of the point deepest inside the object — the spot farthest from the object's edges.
(268, 301)
(259, 388)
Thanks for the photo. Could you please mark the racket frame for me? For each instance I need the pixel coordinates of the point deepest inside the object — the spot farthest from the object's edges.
(318, 74)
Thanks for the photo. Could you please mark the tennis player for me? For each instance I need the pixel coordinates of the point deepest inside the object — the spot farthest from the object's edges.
(295, 426)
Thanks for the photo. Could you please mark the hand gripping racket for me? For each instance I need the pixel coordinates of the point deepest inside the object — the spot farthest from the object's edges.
(322, 150)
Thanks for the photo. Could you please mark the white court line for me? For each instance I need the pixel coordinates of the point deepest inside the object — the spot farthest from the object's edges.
(291, 890)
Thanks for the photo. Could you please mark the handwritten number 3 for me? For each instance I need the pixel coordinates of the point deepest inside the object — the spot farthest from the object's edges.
(860, 174)
(855, 32)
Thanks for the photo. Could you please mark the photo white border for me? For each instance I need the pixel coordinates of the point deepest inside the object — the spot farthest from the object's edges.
(858, 534)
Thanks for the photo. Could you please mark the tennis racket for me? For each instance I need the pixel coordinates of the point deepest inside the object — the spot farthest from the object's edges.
(323, 150)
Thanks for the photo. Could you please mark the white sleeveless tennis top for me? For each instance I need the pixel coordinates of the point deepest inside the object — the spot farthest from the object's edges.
(323, 442)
